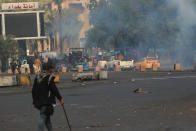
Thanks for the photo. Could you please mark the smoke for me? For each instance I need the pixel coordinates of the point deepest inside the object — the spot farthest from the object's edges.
(184, 45)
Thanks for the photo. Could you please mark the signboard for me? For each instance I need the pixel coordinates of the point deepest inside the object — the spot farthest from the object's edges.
(22, 5)
(23, 25)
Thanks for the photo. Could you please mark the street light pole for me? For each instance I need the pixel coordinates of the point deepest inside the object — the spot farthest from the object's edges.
(60, 25)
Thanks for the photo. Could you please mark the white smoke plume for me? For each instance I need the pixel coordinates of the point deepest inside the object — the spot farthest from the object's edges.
(184, 46)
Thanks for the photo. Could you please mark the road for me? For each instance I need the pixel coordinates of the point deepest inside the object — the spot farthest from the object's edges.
(167, 103)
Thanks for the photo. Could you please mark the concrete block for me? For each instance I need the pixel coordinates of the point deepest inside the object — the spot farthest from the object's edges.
(103, 75)
(24, 80)
(9, 80)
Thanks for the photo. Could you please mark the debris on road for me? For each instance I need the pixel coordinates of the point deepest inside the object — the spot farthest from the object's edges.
(139, 90)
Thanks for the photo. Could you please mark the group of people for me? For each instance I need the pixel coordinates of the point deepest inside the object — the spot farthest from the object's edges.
(15, 65)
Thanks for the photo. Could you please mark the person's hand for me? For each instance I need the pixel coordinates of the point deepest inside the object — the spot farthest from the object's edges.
(62, 101)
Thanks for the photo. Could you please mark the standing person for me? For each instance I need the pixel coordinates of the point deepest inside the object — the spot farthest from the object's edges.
(13, 66)
(18, 65)
(38, 64)
(44, 95)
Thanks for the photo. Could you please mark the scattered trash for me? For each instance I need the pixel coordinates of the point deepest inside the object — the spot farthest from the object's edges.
(133, 80)
(139, 90)
(117, 124)
(115, 82)
(84, 83)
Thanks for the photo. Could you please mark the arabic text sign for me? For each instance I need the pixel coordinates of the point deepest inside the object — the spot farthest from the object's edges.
(23, 5)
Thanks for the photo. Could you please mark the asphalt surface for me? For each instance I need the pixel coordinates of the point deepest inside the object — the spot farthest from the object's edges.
(167, 103)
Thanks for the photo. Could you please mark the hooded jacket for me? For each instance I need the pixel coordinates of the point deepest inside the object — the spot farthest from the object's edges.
(44, 90)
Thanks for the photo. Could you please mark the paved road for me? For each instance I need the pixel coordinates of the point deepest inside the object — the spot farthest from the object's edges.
(168, 103)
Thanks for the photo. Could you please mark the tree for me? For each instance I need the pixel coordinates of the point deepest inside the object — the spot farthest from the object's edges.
(69, 27)
(9, 48)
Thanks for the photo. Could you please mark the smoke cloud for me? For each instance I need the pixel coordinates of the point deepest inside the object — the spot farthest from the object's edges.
(184, 46)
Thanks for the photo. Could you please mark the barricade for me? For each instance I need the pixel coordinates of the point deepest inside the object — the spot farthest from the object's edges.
(142, 68)
(80, 68)
(177, 67)
(117, 68)
(8, 80)
(64, 69)
(24, 80)
(103, 75)
(97, 68)
(154, 67)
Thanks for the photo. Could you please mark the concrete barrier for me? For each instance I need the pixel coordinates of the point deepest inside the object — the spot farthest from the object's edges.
(24, 80)
(8, 80)
(103, 75)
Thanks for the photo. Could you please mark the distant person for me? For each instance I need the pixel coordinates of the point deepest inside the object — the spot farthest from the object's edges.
(13, 66)
(30, 61)
(18, 63)
(44, 93)
(37, 64)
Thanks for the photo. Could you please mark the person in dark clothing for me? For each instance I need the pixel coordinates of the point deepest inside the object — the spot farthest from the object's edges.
(44, 94)
(13, 66)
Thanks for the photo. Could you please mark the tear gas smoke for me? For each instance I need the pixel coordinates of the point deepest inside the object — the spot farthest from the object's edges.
(184, 46)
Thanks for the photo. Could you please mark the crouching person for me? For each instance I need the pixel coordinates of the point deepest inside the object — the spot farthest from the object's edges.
(44, 94)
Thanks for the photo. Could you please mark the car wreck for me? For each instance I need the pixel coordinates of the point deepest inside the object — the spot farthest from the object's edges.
(85, 76)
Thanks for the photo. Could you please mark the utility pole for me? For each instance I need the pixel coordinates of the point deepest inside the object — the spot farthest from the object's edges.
(60, 25)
